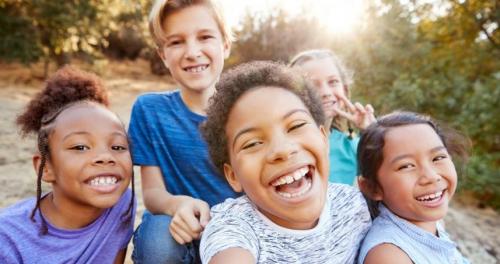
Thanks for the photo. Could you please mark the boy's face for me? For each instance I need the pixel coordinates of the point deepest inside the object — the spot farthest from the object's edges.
(90, 164)
(278, 156)
(194, 50)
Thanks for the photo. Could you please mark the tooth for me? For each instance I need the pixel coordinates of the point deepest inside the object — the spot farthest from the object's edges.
(289, 179)
(297, 175)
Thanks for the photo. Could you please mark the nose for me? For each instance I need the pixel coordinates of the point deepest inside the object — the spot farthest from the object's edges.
(104, 157)
(429, 175)
(281, 149)
(325, 91)
(193, 49)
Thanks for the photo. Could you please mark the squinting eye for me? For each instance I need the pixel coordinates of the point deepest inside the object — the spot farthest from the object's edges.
(207, 36)
(119, 148)
(405, 166)
(297, 126)
(333, 82)
(251, 145)
(440, 157)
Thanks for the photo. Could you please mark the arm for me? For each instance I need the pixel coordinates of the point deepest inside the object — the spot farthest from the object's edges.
(387, 253)
(231, 254)
(189, 215)
(120, 257)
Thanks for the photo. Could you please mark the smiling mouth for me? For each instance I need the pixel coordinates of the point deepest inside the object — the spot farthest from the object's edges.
(103, 181)
(196, 69)
(294, 184)
(431, 197)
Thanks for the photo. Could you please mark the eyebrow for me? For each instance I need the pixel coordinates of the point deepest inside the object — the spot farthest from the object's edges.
(250, 129)
(84, 133)
(400, 157)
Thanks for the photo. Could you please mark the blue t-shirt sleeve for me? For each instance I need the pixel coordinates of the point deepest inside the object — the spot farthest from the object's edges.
(142, 149)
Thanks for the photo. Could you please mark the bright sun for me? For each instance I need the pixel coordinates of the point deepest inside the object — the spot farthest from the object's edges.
(340, 16)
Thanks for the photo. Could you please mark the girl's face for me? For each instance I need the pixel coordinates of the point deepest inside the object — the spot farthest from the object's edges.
(278, 156)
(326, 78)
(90, 164)
(417, 177)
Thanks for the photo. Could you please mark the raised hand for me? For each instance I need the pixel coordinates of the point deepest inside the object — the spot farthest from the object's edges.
(189, 220)
(361, 116)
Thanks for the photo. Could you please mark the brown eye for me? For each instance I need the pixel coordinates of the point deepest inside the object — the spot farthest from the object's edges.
(80, 147)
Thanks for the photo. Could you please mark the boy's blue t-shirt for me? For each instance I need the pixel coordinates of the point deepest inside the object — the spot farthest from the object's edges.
(99, 242)
(343, 158)
(165, 133)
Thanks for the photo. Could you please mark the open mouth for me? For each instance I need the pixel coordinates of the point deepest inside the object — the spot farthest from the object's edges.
(430, 198)
(294, 184)
(196, 69)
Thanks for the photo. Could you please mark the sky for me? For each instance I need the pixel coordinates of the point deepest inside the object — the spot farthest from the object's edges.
(340, 16)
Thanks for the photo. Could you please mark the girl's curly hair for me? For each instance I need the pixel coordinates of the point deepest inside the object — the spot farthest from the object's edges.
(239, 81)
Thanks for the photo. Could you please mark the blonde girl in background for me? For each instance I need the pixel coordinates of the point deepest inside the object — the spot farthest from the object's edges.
(332, 80)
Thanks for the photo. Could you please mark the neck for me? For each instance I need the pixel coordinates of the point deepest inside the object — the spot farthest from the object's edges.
(328, 125)
(428, 226)
(66, 214)
(196, 101)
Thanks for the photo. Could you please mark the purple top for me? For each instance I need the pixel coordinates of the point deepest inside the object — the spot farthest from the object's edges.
(99, 242)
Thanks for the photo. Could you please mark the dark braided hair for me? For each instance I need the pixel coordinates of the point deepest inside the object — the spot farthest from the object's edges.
(67, 87)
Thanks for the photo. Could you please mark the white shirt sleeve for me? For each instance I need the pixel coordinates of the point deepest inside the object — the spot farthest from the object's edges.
(227, 231)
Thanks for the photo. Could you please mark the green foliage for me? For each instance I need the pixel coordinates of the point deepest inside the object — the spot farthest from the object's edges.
(411, 57)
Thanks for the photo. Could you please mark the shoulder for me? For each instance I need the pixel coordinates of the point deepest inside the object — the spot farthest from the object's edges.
(154, 98)
(347, 199)
(15, 222)
(230, 231)
(385, 253)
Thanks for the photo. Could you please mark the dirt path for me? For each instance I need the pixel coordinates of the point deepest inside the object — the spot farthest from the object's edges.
(477, 231)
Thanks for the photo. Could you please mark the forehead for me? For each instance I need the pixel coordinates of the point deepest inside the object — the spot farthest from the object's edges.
(87, 115)
(410, 137)
(190, 19)
(263, 105)
(323, 67)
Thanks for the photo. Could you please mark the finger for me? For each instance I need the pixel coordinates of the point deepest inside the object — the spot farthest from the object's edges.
(204, 212)
(191, 223)
(179, 235)
(343, 114)
(369, 108)
(179, 224)
(359, 108)
(347, 102)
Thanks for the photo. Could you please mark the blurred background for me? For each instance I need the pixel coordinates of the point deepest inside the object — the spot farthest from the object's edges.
(439, 57)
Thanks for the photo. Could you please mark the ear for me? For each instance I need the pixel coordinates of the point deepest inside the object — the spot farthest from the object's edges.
(231, 178)
(161, 54)
(47, 174)
(373, 192)
(227, 49)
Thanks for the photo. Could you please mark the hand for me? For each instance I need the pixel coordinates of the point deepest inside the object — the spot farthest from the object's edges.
(361, 116)
(189, 220)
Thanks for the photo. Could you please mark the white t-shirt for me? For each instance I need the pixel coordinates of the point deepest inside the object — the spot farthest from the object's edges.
(343, 223)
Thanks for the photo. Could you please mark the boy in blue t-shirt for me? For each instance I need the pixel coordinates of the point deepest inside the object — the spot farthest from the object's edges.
(179, 183)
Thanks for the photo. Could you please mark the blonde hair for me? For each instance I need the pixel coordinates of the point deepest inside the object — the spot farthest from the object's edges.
(346, 76)
(163, 8)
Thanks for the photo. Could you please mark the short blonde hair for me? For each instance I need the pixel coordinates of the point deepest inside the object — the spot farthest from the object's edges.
(163, 8)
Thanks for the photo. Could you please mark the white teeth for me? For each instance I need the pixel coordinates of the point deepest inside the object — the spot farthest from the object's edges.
(297, 194)
(197, 68)
(100, 181)
(291, 177)
(430, 197)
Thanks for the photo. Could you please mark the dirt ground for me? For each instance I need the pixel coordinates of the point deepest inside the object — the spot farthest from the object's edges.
(476, 231)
